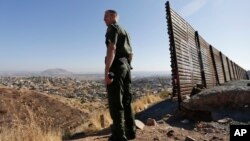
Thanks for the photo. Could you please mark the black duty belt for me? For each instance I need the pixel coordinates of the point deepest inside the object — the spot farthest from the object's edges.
(120, 60)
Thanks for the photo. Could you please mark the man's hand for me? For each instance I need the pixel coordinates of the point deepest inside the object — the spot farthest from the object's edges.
(107, 79)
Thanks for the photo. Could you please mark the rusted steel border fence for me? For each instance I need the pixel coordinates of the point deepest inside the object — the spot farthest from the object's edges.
(194, 61)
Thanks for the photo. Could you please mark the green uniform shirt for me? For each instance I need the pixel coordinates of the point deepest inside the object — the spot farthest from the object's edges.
(117, 35)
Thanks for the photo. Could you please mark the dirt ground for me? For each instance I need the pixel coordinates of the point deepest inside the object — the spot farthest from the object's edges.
(171, 126)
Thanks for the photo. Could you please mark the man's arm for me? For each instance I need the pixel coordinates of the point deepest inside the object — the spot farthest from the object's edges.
(130, 57)
(109, 60)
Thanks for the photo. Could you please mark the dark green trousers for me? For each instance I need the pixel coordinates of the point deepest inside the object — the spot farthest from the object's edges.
(119, 100)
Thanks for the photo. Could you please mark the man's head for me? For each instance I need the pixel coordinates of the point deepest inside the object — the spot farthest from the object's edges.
(110, 17)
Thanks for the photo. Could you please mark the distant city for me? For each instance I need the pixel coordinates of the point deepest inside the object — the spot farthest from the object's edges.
(87, 87)
(58, 72)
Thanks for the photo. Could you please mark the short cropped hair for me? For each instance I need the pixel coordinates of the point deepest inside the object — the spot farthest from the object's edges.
(113, 12)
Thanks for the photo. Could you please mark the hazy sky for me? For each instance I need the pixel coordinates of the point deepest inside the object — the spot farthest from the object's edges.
(40, 34)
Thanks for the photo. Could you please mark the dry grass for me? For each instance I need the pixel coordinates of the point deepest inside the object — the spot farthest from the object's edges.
(143, 102)
(30, 116)
(138, 105)
(96, 120)
(30, 132)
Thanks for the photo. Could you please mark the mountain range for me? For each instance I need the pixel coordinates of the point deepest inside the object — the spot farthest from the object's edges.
(56, 72)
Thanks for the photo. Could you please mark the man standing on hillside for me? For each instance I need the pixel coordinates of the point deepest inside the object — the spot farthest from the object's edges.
(118, 79)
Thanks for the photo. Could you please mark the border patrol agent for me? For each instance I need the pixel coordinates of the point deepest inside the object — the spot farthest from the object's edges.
(118, 79)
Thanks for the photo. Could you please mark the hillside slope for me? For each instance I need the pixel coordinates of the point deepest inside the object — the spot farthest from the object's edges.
(20, 107)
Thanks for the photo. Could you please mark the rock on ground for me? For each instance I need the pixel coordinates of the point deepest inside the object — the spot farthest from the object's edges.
(230, 100)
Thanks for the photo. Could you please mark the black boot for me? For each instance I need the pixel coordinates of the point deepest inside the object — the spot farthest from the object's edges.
(130, 135)
(112, 138)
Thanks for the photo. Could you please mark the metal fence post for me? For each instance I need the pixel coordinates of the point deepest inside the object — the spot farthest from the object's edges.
(203, 78)
(174, 65)
(215, 70)
(228, 65)
(223, 68)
